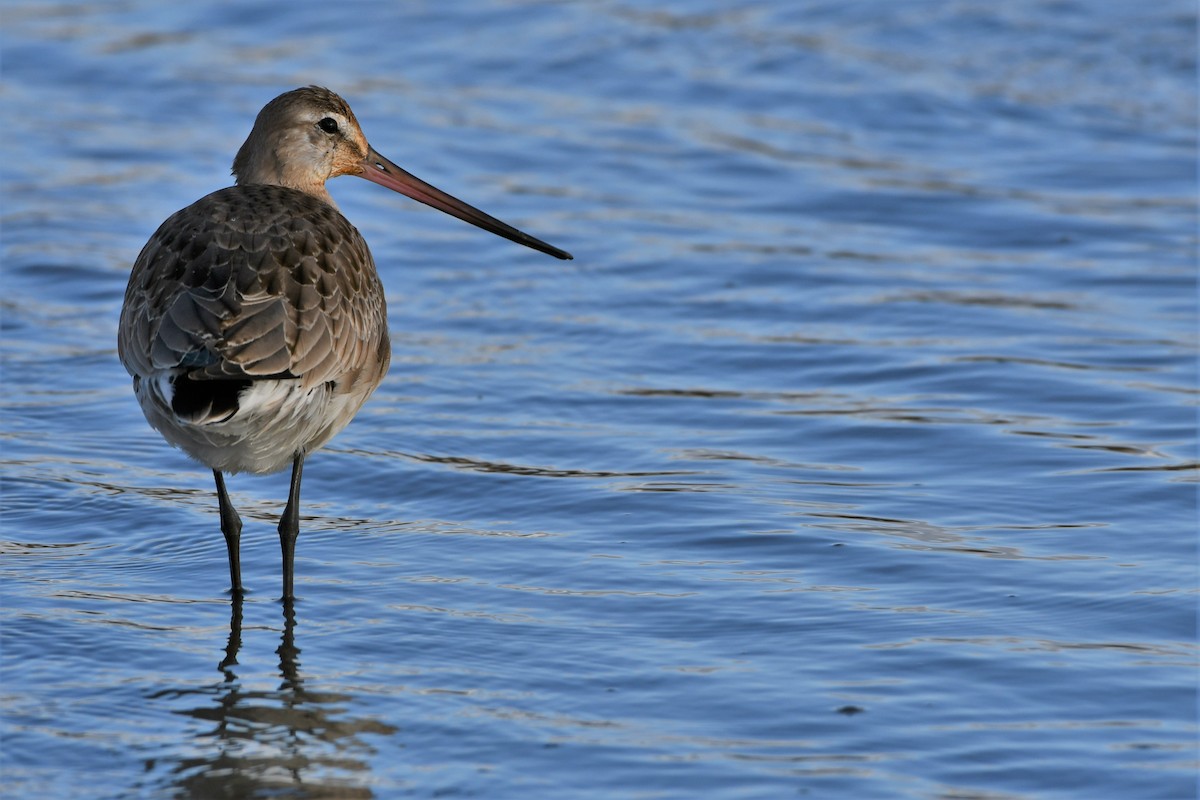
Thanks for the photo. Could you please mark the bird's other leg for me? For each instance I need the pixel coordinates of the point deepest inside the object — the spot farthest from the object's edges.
(231, 526)
(289, 528)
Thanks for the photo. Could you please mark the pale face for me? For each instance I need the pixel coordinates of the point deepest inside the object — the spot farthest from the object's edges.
(301, 139)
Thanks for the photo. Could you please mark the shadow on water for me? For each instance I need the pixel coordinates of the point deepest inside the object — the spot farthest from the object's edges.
(285, 742)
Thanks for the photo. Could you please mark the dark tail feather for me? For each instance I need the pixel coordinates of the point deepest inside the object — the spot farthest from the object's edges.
(205, 400)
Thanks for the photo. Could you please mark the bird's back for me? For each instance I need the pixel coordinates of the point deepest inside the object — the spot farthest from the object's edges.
(255, 288)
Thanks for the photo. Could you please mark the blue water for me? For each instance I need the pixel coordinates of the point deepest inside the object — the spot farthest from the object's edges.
(854, 456)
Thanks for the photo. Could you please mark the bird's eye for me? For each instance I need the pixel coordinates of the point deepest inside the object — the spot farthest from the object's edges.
(328, 124)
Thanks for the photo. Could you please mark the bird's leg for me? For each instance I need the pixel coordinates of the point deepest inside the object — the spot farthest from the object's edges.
(289, 528)
(231, 526)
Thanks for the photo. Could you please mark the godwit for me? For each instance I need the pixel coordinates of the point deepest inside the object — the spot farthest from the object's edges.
(254, 324)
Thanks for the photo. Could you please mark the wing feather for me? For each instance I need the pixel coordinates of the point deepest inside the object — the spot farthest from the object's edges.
(256, 281)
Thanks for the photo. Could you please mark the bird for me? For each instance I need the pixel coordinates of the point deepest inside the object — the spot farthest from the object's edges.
(254, 324)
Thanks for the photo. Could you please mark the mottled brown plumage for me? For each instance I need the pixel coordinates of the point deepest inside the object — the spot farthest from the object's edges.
(257, 282)
(254, 323)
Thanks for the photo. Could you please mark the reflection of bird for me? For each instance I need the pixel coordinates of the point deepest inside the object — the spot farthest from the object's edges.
(257, 737)
(254, 323)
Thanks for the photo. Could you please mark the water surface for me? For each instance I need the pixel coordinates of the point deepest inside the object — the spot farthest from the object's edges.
(853, 456)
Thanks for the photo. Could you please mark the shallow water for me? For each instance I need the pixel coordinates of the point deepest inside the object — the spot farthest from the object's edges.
(853, 456)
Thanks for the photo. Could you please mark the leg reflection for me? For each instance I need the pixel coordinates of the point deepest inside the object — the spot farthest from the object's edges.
(235, 639)
(249, 741)
(289, 664)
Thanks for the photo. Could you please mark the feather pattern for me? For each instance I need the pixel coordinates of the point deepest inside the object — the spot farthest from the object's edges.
(250, 284)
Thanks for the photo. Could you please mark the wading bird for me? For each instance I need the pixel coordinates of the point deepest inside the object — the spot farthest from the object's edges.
(254, 324)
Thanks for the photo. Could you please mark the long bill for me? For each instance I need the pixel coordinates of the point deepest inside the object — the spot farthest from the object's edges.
(378, 169)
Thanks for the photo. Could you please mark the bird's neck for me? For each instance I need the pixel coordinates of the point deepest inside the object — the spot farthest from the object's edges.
(259, 164)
